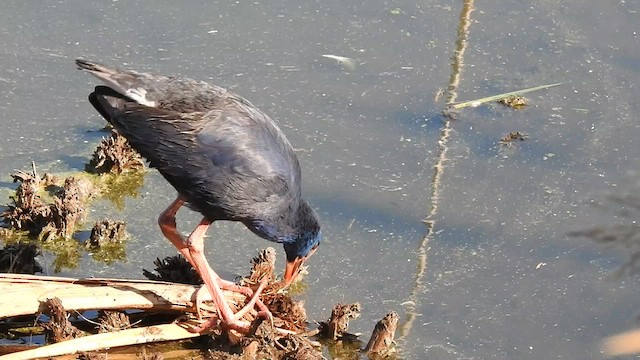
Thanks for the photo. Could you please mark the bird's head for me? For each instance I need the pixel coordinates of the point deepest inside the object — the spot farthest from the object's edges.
(298, 251)
(298, 230)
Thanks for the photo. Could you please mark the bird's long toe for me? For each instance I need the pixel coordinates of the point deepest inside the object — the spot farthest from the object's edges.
(231, 286)
(199, 302)
(240, 326)
(254, 297)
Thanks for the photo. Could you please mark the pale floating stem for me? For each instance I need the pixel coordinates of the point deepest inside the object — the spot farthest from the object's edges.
(474, 103)
(348, 63)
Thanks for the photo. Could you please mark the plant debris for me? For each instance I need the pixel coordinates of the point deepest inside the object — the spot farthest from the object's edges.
(262, 266)
(289, 315)
(175, 269)
(50, 209)
(298, 347)
(107, 232)
(159, 304)
(110, 320)
(114, 155)
(92, 356)
(515, 102)
(28, 211)
(58, 218)
(336, 327)
(513, 136)
(381, 340)
(67, 210)
(59, 328)
(20, 258)
(478, 102)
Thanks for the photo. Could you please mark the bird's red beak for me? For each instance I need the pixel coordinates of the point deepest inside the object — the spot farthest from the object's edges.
(292, 270)
(293, 267)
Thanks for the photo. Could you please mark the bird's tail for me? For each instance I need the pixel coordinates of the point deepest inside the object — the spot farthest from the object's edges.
(114, 78)
(96, 69)
(108, 102)
(127, 82)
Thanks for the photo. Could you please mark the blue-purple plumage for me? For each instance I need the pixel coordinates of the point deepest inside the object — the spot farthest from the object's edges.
(227, 158)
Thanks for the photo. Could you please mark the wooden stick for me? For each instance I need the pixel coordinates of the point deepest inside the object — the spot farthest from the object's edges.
(92, 294)
(143, 335)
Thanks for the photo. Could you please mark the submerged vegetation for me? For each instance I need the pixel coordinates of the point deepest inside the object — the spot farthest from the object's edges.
(49, 211)
(115, 156)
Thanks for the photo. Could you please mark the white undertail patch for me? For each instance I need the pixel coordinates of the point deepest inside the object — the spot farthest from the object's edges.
(140, 96)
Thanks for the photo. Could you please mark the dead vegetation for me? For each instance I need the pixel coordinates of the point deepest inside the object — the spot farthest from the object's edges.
(57, 217)
(382, 339)
(20, 258)
(514, 102)
(110, 320)
(513, 136)
(107, 232)
(175, 269)
(336, 327)
(68, 208)
(59, 328)
(293, 316)
(114, 155)
(49, 211)
(28, 211)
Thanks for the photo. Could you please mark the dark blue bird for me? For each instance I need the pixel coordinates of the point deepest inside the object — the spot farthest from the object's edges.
(227, 159)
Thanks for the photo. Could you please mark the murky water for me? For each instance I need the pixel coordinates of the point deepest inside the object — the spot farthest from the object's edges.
(497, 278)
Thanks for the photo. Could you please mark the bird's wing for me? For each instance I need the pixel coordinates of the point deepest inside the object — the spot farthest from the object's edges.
(247, 141)
(220, 159)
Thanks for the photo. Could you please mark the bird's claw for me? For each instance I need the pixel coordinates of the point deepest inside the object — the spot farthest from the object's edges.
(200, 293)
(235, 323)
(231, 286)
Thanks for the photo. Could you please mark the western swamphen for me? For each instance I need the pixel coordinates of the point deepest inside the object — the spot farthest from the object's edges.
(227, 159)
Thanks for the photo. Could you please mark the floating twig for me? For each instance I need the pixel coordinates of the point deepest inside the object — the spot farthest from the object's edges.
(348, 63)
(474, 103)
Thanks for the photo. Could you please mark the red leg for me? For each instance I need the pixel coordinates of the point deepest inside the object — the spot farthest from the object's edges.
(195, 244)
(255, 301)
(192, 250)
(167, 222)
